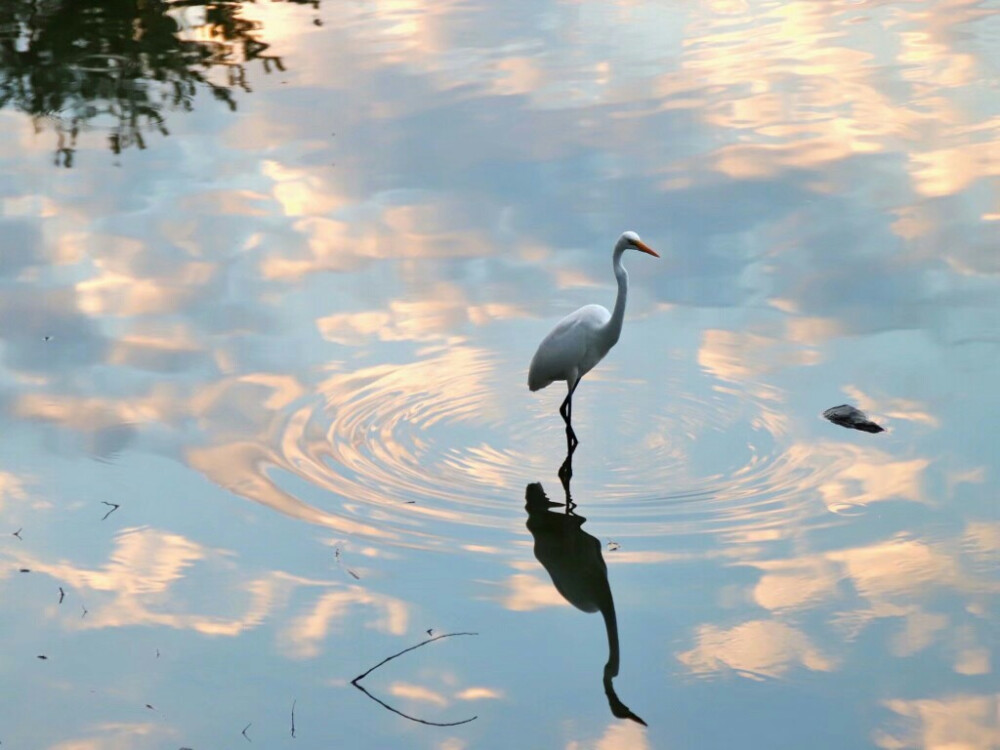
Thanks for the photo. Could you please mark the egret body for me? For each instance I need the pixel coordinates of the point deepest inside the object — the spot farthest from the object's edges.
(582, 339)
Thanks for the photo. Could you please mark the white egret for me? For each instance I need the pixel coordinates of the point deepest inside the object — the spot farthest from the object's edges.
(582, 338)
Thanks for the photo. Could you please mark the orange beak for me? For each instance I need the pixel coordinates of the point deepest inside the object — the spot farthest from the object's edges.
(640, 245)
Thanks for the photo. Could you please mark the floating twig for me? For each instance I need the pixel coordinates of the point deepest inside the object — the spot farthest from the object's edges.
(114, 507)
(357, 683)
(340, 564)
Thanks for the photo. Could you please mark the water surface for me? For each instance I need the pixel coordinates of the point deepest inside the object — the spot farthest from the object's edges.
(271, 277)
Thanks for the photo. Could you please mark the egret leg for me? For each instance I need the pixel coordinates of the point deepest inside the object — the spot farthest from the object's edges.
(566, 472)
(566, 410)
(565, 475)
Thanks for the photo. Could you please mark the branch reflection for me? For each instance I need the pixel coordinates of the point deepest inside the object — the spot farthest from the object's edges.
(121, 64)
(574, 562)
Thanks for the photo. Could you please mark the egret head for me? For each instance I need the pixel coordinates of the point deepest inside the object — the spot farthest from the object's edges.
(630, 241)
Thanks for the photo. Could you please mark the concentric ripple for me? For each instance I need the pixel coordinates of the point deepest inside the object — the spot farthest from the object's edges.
(416, 453)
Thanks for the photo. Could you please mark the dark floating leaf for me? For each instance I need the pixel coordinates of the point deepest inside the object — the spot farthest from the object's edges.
(848, 416)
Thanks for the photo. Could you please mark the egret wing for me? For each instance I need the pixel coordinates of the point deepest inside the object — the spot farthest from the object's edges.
(563, 354)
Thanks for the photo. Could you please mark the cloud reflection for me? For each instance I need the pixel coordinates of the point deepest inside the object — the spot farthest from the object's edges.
(758, 648)
(953, 722)
(120, 736)
(303, 637)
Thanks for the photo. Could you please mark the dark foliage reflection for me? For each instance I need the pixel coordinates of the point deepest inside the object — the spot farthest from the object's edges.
(574, 562)
(121, 65)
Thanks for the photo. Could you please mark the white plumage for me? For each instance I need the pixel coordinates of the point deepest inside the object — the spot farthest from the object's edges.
(571, 349)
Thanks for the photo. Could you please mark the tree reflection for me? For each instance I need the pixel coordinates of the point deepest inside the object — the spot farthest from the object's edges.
(121, 64)
(574, 562)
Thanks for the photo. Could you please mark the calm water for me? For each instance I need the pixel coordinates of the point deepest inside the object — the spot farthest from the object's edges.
(272, 274)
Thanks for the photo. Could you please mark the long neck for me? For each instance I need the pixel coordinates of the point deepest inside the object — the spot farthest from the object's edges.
(618, 708)
(611, 625)
(614, 327)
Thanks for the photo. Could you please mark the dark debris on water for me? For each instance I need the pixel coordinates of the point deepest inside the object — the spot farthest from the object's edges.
(851, 417)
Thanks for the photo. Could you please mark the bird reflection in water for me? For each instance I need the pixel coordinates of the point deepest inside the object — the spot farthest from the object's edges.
(574, 562)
